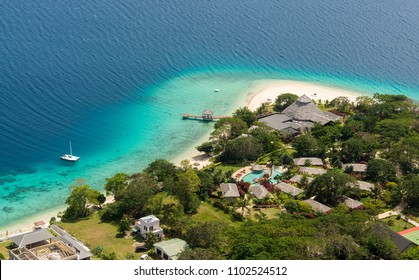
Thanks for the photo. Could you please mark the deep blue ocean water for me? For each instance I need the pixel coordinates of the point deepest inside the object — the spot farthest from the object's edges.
(114, 77)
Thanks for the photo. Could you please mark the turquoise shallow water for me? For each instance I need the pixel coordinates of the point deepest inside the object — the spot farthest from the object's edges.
(114, 77)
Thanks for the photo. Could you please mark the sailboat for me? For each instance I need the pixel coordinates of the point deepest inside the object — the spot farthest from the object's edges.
(70, 157)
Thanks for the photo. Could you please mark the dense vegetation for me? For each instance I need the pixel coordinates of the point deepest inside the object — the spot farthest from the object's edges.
(382, 131)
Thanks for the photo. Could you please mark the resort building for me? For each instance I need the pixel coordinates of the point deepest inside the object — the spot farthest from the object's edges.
(39, 225)
(353, 204)
(308, 160)
(170, 249)
(402, 243)
(289, 189)
(41, 244)
(317, 206)
(412, 234)
(229, 190)
(297, 179)
(298, 117)
(312, 170)
(148, 224)
(257, 167)
(357, 169)
(259, 191)
(207, 114)
(365, 186)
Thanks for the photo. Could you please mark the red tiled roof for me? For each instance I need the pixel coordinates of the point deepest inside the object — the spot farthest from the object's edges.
(406, 231)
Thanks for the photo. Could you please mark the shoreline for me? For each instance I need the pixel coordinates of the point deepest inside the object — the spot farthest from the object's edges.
(267, 91)
(264, 90)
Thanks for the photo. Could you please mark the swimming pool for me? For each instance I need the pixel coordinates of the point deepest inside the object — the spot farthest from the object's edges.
(249, 177)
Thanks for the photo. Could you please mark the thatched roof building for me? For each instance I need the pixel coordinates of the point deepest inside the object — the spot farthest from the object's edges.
(299, 116)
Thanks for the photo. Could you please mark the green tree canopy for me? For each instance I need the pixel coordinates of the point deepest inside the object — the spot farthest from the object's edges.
(406, 154)
(161, 169)
(236, 126)
(242, 149)
(80, 197)
(359, 148)
(245, 115)
(330, 188)
(410, 185)
(391, 130)
(382, 171)
(116, 183)
(200, 254)
(307, 146)
(269, 139)
(187, 187)
(206, 147)
(133, 199)
(204, 235)
(327, 135)
(284, 100)
(342, 104)
(335, 236)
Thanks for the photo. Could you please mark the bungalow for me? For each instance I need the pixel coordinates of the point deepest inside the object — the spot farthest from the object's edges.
(170, 249)
(311, 170)
(39, 225)
(317, 206)
(365, 186)
(297, 178)
(353, 204)
(257, 167)
(412, 234)
(402, 243)
(311, 160)
(259, 191)
(148, 224)
(298, 117)
(289, 189)
(229, 190)
(357, 169)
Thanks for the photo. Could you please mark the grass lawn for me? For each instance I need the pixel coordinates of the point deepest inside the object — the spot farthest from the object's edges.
(208, 213)
(270, 212)
(4, 250)
(399, 225)
(93, 233)
(225, 167)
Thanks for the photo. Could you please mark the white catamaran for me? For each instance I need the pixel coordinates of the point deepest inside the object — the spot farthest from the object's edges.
(70, 157)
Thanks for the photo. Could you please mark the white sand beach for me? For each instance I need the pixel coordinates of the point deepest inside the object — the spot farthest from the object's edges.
(268, 90)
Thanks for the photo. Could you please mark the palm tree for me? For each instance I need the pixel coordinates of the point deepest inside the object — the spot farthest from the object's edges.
(243, 204)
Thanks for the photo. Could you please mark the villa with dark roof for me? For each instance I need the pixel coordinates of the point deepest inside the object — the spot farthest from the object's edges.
(317, 206)
(299, 116)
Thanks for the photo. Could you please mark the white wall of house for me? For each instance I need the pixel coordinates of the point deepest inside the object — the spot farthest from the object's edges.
(149, 224)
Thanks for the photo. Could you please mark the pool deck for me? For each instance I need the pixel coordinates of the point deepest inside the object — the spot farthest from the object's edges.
(241, 172)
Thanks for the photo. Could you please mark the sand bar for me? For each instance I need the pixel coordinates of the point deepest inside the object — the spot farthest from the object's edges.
(267, 91)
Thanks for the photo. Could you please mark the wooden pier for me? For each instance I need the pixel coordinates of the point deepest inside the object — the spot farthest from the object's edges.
(207, 115)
